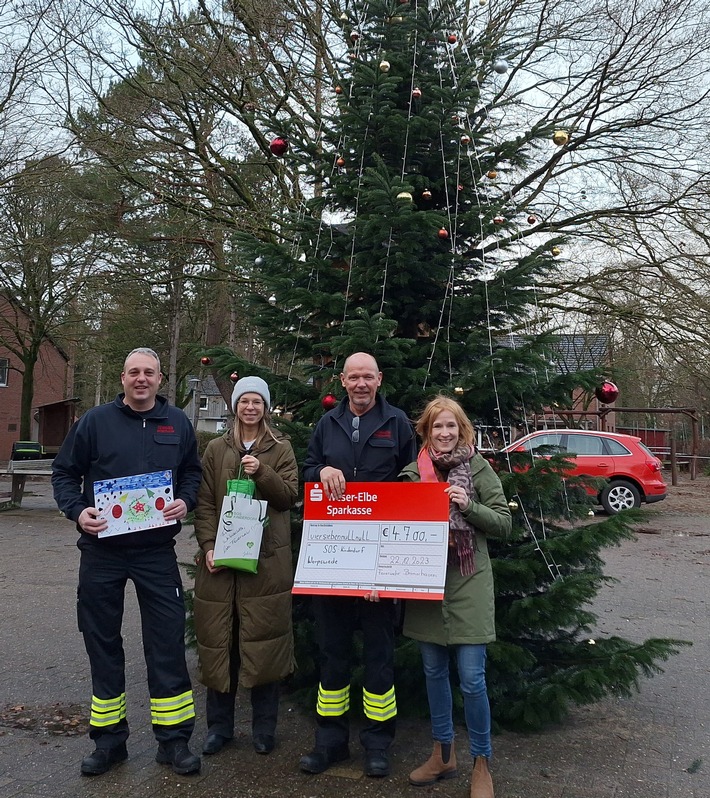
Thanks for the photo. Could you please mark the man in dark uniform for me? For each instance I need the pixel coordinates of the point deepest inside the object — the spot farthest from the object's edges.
(363, 439)
(137, 433)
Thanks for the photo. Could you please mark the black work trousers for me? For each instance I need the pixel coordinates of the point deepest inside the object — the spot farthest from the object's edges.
(103, 573)
(337, 619)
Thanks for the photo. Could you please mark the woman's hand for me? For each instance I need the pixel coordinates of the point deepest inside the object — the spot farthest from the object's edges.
(458, 496)
(250, 465)
(209, 562)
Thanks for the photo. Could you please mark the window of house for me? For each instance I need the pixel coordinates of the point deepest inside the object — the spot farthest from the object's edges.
(204, 402)
(4, 367)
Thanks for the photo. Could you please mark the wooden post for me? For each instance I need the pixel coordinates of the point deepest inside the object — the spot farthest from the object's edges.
(674, 463)
(18, 489)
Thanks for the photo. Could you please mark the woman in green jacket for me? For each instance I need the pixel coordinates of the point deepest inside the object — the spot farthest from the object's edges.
(465, 621)
(243, 620)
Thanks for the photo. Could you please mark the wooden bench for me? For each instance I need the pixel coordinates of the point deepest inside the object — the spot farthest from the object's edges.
(20, 470)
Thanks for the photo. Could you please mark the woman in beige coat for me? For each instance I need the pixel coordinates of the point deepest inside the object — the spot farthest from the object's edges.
(243, 620)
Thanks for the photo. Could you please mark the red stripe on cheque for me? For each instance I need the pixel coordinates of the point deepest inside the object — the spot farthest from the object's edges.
(379, 501)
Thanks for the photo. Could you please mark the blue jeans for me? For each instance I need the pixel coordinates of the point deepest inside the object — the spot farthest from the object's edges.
(471, 662)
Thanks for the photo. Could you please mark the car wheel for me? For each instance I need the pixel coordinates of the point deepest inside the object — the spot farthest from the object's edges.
(618, 496)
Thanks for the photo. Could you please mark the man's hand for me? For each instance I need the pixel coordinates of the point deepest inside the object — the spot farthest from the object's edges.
(333, 481)
(175, 511)
(90, 522)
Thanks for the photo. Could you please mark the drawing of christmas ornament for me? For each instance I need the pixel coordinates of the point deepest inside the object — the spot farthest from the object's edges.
(279, 145)
(607, 392)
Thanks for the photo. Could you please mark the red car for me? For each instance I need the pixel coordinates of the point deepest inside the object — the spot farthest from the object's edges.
(633, 473)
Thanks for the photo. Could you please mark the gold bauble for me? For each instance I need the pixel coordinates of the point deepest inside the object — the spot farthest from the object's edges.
(405, 196)
(560, 137)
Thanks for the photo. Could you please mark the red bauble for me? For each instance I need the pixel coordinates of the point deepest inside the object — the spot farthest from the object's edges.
(443, 233)
(329, 401)
(416, 94)
(279, 145)
(234, 376)
(205, 360)
(426, 194)
(452, 38)
(532, 219)
(499, 219)
(340, 163)
(607, 392)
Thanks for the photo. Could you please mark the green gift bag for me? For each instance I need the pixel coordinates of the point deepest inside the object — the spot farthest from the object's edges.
(243, 485)
(241, 526)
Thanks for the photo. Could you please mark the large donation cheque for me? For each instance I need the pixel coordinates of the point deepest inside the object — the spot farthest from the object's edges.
(391, 537)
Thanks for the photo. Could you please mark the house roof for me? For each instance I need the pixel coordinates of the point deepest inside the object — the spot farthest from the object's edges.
(570, 353)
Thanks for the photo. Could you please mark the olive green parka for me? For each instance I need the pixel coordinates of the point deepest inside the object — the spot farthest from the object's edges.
(467, 613)
(256, 608)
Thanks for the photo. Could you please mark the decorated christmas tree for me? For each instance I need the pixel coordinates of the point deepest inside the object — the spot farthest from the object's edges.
(411, 245)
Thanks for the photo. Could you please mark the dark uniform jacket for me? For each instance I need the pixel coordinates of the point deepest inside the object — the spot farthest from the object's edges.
(385, 447)
(111, 441)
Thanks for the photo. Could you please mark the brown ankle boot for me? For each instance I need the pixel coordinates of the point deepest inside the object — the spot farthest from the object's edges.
(481, 781)
(440, 765)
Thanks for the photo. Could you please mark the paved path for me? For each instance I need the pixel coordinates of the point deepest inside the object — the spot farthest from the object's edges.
(654, 745)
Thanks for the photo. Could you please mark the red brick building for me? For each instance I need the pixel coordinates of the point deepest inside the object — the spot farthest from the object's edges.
(53, 387)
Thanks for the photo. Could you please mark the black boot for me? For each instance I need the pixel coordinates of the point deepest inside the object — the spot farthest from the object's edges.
(179, 756)
(320, 759)
(103, 759)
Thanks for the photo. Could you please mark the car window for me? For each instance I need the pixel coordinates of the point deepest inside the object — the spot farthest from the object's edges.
(545, 442)
(585, 444)
(615, 447)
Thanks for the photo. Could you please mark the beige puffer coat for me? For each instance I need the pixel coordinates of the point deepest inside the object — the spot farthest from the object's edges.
(255, 607)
